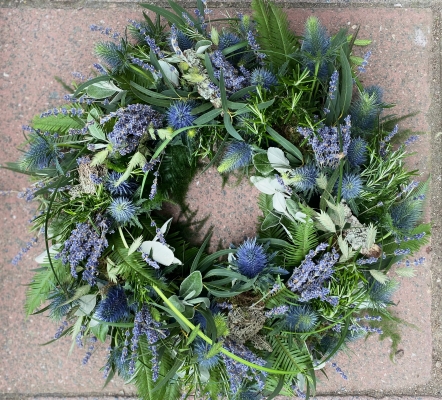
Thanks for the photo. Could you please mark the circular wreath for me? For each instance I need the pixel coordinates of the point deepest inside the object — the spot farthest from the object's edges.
(339, 208)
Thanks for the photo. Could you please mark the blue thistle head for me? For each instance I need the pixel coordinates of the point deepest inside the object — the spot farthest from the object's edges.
(201, 348)
(304, 178)
(41, 154)
(250, 395)
(227, 39)
(365, 110)
(300, 319)
(381, 293)
(58, 303)
(184, 41)
(238, 155)
(111, 54)
(263, 77)
(122, 210)
(126, 188)
(351, 186)
(406, 214)
(357, 152)
(121, 363)
(316, 44)
(179, 115)
(251, 258)
(113, 307)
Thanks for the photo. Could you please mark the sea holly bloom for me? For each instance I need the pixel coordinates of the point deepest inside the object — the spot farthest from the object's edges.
(113, 307)
(251, 258)
(126, 188)
(351, 186)
(263, 77)
(179, 115)
(122, 210)
(237, 155)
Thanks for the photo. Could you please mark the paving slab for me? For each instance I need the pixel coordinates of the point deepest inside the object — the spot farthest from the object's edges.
(40, 43)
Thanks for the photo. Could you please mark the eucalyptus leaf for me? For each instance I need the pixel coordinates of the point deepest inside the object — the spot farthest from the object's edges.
(101, 90)
(170, 72)
(194, 282)
(277, 159)
(177, 303)
(87, 304)
(270, 221)
(262, 164)
(266, 185)
(279, 202)
(159, 252)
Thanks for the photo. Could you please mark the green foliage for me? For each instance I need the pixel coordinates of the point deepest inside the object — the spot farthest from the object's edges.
(275, 36)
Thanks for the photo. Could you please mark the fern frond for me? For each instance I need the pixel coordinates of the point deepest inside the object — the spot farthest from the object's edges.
(143, 375)
(38, 290)
(60, 124)
(289, 356)
(275, 37)
(304, 239)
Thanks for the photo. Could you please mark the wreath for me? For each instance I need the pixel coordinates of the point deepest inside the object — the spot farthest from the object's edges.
(288, 112)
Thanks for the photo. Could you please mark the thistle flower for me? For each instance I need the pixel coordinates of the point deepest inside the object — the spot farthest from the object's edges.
(357, 152)
(111, 54)
(300, 319)
(381, 293)
(179, 115)
(179, 41)
(41, 154)
(351, 186)
(303, 178)
(316, 44)
(122, 210)
(263, 77)
(251, 258)
(58, 303)
(113, 307)
(406, 214)
(365, 110)
(227, 39)
(125, 188)
(237, 155)
(201, 348)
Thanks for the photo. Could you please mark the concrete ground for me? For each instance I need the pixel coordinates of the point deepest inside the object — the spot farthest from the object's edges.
(42, 39)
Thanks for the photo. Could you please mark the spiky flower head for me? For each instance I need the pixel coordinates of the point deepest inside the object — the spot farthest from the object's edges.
(351, 186)
(238, 155)
(365, 110)
(227, 39)
(184, 42)
(357, 152)
(113, 307)
(381, 293)
(406, 214)
(122, 210)
(263, 77)
(125, 188)
(316, 44)
(300, 319)
(303, 178)
(179, 115)
(201, 348)
(111, 54)
(251, 258)
(41, 154)
(59, 304)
